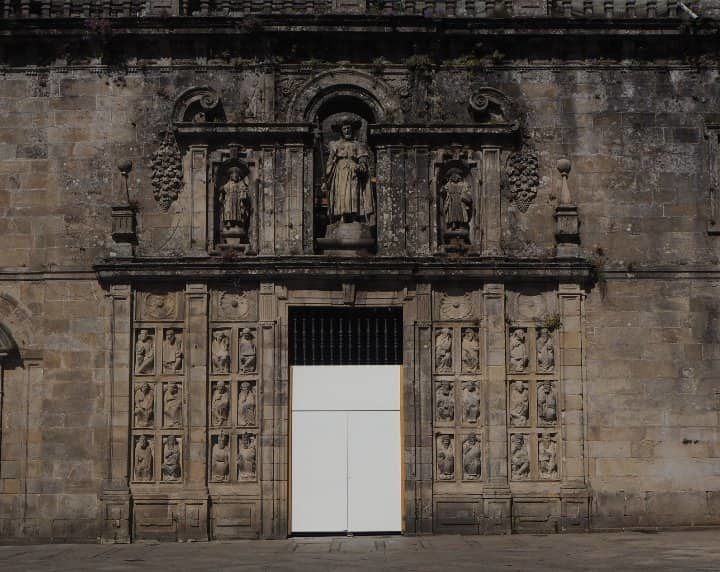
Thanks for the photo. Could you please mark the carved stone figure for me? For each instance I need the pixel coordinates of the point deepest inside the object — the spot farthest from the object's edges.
(347, 175)
(247, 404)
(247, 457)
(220, 406)
(446, 457)
(220, 459)
(443, 350)
(518, 351)
(247, 354)
(547, 457)
(144, 400)
(519, 457)
(470, 401)
(172, 352)
(470, 350)
(545, 351)
(472, 458)
(144, 352)
(172, 406)
(547, 403)
(457, 202)
(445, 402)
(519, 404)
(220, 352)
(236, 205)
(172, 463)
(143, 461)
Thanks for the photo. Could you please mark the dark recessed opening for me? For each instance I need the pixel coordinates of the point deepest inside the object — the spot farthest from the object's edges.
(345, 336)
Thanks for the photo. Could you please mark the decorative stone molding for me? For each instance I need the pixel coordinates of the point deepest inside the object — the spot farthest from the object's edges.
(489, 105)
(522, 178)
(167, 172)
(712, 134)
(198, 105)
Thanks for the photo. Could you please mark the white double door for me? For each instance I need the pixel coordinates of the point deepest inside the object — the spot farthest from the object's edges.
(346, 450)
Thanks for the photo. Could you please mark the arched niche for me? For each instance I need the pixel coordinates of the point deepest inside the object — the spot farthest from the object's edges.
(332, 85)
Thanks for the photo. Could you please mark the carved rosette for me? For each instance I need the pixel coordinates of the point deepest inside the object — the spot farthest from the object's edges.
(522, 178)
(167, 173)
(455, 307)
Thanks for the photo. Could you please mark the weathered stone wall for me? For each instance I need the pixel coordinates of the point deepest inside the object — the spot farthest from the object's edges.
(640, 406)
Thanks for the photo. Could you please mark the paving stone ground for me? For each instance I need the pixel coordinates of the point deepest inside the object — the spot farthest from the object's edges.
(698, 551)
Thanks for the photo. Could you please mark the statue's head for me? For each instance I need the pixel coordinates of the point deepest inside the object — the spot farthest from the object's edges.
(170, 335)
(235, 174)
(347, 126)
(143, 335)
(455, 175)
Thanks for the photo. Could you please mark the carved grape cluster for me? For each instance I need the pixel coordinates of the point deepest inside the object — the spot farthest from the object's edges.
(167, 175)
(522, 178)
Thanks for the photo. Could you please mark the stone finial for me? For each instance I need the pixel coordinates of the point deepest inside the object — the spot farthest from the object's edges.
(567, 220)
(123, 216)
(125, 166)
(564, 166)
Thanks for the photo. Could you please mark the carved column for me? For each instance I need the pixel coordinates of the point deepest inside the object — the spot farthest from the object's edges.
(423, 513)
(267, 202)
(491, 204)
(574, 492)
(496, 497)
(390, 200)
(274, 432)
(201, 207)
(294, 189)
(115, 496)
(196, 351)
(420, 202)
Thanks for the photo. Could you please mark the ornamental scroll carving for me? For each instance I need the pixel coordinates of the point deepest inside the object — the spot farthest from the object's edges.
(491, 106)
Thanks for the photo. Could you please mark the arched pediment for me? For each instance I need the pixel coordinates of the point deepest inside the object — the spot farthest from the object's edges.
(374, 93)
(491, 106)
(198, 105)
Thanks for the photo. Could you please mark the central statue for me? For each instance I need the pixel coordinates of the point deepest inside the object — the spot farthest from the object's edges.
(347, 175)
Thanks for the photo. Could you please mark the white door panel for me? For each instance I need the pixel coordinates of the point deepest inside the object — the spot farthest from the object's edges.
(374, 471)
(319, 471)
(346, 449)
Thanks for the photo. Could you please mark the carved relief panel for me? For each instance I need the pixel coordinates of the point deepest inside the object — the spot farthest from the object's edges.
(234, 399)
(532, 398)
(458, 389)
(157, 391)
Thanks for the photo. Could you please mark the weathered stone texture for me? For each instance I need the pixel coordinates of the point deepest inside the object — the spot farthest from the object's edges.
(617, 423)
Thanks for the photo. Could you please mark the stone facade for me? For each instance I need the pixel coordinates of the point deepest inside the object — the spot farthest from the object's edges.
(534, 184)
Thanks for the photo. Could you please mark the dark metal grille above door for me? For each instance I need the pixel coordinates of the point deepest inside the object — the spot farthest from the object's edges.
(345, 336)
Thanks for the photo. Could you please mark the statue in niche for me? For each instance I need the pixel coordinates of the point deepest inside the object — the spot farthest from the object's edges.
(172, 352)
(457, 204)
(143, 462)
(547, 457)
(545, 351)
(247, 457)
(519, 404)
(443, 350)
(472, 458)
(471, 401)
(247, 351)
(547, 403)
(220, 406)
(247, 404)
(445, 402)
(144, 400)
(144, 352)
(172, 405)
(220, 459)
(446, 457)
(518, 351)
(347, 185)
(236, 207)
(470, 350)
(220, 351)
(171, 466)
(519, 457)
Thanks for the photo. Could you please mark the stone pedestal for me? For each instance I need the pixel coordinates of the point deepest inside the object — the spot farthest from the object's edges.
(347, 239)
